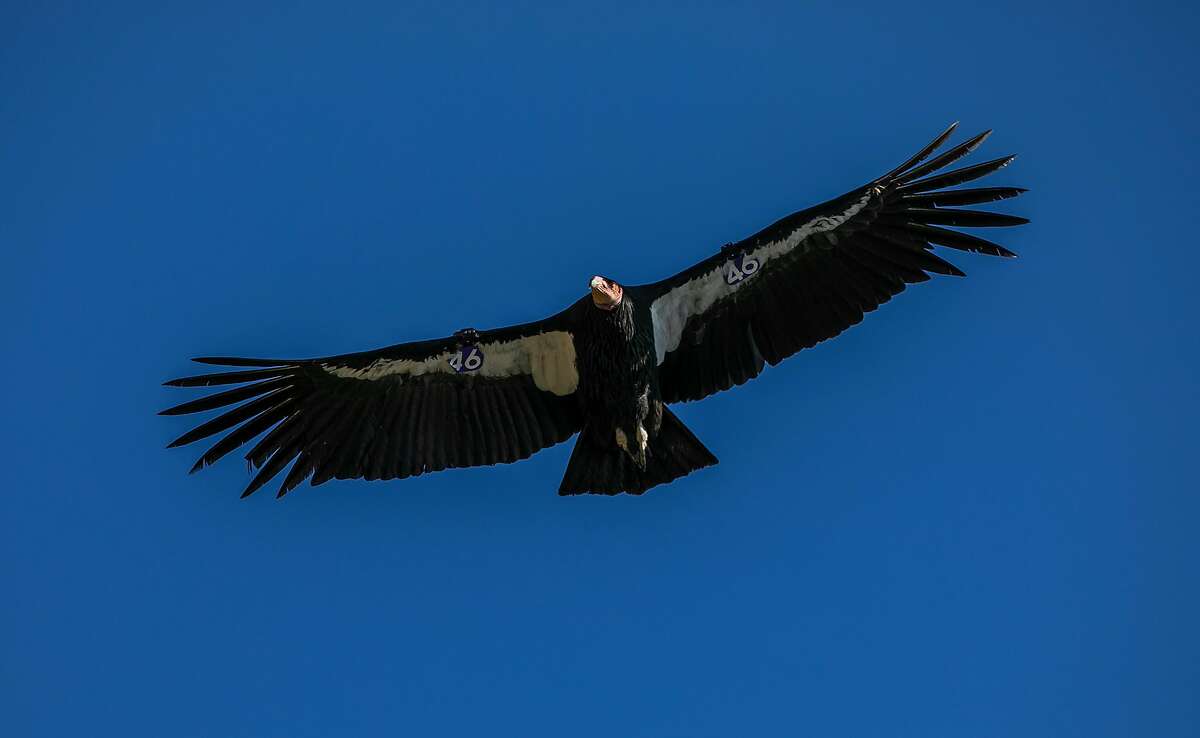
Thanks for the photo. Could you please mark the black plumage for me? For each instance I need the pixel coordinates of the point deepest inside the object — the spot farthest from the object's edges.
(606, 367)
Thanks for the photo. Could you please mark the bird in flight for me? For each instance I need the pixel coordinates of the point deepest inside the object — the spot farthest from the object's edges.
(608, 366)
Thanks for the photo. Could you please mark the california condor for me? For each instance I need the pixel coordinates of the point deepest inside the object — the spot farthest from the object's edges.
(608, 366)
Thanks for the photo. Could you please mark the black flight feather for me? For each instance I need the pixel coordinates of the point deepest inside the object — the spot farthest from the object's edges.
(958, 176)
(944, 159)
(973, 196)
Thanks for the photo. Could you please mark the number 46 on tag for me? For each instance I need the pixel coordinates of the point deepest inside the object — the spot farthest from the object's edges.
(466, 359)
(740, 267)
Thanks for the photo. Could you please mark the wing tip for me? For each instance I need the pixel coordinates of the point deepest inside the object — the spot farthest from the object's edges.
(1000, 163)
(976, 142)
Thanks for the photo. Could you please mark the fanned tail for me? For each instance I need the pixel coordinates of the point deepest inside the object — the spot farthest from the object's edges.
(599, 466)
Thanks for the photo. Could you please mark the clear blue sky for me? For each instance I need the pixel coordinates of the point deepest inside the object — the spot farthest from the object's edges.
(974, 514)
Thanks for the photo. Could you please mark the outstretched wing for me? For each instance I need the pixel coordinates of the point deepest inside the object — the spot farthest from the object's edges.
(814, 273)
(473, 399)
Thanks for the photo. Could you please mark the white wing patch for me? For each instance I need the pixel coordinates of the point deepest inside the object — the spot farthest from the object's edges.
(548, 357)
(671, 311)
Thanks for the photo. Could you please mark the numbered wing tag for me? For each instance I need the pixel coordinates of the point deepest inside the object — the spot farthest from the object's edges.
(466, 359)
(740, 267)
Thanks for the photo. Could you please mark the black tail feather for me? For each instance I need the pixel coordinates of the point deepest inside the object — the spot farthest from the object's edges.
(599, 466)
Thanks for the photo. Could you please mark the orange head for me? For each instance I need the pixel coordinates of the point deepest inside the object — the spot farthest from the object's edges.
(606, 294)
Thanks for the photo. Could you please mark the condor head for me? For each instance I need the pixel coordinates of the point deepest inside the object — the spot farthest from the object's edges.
(606, 294)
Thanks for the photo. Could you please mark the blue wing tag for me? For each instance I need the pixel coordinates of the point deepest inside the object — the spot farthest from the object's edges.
(739, 267)
(467, 359)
